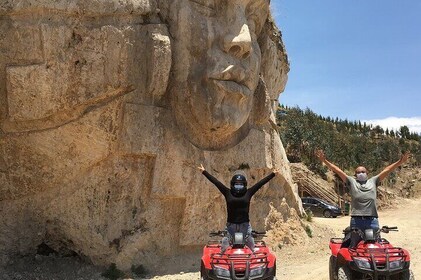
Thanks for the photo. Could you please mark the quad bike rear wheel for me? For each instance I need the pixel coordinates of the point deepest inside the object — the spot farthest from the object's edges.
(344, 273)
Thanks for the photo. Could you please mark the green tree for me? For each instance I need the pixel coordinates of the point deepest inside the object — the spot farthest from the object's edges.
(404, 132)
(304, 131)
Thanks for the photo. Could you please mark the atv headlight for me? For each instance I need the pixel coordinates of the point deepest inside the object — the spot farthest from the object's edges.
(396, 264)
(362, 263)
(257, 272)
(222, 272)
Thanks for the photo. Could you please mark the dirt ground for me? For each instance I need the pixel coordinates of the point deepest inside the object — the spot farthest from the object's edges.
(306, 261)
(312, 262)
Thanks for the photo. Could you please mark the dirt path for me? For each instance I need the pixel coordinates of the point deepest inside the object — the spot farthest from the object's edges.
(307, 261)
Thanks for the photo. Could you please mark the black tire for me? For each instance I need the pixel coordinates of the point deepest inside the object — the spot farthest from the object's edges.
(332, 268)
(327, 213)
(273, 277)
(407, 275)
(203, 275)
(344, 273)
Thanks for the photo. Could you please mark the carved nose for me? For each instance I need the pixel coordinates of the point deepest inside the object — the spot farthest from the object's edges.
(238, 44)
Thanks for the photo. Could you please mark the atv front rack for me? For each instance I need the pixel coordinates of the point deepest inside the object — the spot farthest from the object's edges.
(240, 259)
(217, 243)
(379, 254)
(384, 261)
(240, 265)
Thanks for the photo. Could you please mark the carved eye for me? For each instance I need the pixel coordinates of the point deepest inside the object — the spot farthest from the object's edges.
(205, 7)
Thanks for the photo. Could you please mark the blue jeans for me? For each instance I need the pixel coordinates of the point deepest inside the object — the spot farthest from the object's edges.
(245, 228)
(364, 223)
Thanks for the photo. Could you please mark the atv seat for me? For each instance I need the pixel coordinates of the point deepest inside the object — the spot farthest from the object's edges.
(352, 237)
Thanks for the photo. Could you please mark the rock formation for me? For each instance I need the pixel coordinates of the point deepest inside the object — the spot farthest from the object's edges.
(106, 109)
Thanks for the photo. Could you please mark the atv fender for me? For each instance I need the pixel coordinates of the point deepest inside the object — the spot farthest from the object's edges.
(335, 246)
(343, 257)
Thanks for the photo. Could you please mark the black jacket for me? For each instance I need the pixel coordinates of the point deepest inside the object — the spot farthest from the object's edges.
(238, 207)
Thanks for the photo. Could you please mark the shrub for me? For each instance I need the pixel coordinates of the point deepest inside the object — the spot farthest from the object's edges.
(309, 217)
(309, 231)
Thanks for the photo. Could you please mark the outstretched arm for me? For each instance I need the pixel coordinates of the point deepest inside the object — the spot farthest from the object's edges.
(393, 166)
(221, 187)
(262, 182)
(320, 154)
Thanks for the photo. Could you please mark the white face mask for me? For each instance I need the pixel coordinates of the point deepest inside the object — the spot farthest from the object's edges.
(361, 177)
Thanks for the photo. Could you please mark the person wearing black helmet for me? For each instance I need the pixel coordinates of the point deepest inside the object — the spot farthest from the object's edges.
(238, 198)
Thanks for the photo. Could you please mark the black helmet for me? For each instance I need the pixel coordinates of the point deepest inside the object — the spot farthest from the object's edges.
(238, 185)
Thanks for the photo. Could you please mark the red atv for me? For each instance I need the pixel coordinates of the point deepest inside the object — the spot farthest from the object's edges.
(365, 255)
(238, 262)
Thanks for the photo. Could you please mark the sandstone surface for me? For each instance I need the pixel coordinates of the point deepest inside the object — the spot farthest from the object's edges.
(106, 109)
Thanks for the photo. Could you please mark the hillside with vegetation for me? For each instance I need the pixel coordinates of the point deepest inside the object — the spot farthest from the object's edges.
(348, 144)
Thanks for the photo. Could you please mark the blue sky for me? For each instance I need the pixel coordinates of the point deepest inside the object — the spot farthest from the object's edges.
(359, 60)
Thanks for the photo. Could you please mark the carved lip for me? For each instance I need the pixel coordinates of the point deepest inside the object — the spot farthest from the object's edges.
(233, 80)
(233, 87)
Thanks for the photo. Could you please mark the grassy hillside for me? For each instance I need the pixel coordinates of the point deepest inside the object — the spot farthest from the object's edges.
(346, 143)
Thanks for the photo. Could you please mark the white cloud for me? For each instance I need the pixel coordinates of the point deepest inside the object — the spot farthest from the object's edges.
(413, 123)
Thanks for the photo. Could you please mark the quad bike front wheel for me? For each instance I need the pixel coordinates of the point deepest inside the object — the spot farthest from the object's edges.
(344, 273)
(203, 272)
(411, 275)
(406, 275)
(332, 269)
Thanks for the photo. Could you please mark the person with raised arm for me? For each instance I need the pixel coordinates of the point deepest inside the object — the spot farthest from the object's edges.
(363, 190)
(238, 198)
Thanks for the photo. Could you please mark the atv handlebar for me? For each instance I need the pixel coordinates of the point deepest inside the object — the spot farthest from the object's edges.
(221, 233)
(390, 228)
(386, 229)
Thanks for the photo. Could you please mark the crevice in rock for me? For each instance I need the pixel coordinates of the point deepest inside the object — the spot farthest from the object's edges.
(64, 117)
(45, 250)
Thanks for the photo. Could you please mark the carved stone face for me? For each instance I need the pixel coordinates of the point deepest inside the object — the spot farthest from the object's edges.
(216, 65)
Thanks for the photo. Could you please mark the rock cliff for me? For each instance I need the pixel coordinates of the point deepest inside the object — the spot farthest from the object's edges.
(106, 109)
